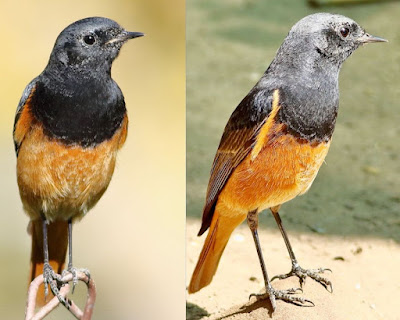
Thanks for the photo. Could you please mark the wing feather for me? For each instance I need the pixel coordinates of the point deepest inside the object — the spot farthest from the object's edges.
(238, 139)
(18, 135)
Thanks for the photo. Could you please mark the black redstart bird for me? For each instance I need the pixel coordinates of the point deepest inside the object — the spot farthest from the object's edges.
(275, 142)
(69, 125)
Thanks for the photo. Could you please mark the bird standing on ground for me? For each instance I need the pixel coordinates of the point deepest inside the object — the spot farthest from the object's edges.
(69, 125)
(275, 142)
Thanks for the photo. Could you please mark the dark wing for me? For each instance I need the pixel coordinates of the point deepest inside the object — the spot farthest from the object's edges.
(237, 141)
(18, 138)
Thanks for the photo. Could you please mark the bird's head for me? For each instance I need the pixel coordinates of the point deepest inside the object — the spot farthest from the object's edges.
(91, 43)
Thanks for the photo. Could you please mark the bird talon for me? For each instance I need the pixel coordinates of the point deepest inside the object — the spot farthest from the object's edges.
(312, 304)
(284, 295)
(302, 275)
(46, 288)
(280, 277)
(258, 295)
(73, 271)
(329, 287)
(50, 278)
(86, 272)
(294, 290)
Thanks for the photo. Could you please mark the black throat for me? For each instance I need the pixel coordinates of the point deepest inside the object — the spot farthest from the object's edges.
(308, 93)
(309, 113)
(78, 110)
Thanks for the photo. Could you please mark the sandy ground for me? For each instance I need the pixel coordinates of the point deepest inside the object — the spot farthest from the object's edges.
(365, 277)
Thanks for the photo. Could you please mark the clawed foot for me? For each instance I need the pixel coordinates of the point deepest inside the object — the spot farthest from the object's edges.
(74, 271)
(302, 274)
(55, 281)
(285, 295)
(50, 278)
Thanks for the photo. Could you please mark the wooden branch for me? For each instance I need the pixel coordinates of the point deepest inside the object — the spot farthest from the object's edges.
(64, 290)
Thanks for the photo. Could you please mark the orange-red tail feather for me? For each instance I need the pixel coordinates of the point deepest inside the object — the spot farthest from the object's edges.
(220, 231)
(57, 235)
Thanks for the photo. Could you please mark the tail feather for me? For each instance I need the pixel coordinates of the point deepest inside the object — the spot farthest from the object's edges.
(220, 231)
(57, 235)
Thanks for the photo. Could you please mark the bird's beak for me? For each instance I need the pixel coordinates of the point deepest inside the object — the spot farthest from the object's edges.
(130, 35)
(124, 36)
(367, 38)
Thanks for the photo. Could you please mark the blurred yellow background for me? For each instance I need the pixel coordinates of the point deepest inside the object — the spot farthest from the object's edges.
(133, 240)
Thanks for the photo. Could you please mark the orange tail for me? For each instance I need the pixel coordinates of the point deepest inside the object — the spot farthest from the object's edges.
(220, 231)
(57, 235)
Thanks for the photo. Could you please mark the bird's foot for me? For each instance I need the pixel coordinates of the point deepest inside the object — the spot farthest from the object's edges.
(302, 274)
(54, 280)
(285, 295)
(74, 271)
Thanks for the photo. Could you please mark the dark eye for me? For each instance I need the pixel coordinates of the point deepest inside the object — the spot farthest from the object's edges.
(344, 31)
(89, 39)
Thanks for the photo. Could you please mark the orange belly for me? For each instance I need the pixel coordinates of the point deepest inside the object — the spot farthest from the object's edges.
(282, 169)
(60, 181)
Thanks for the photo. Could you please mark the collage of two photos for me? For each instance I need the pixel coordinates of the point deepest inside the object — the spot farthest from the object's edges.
(200, 160)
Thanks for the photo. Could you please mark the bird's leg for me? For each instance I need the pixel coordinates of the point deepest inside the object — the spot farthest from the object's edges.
(271, 293)
(69, 244)
(49, 276)
(301, 273)
(70, 267)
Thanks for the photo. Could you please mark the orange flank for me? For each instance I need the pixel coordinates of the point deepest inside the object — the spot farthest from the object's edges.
(265, 129)
(25, 121)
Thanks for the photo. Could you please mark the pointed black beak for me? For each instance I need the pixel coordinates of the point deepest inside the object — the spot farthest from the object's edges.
(130, 35)
(124, 36)
(367, 38)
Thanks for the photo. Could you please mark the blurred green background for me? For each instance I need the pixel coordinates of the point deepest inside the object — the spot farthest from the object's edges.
(229, 46)
(133, 240)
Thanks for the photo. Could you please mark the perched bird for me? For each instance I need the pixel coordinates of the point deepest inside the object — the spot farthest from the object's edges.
(275, 142)
(69, 125)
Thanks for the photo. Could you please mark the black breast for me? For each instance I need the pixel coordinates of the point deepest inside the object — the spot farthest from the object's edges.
(85, 114)
(309, 113)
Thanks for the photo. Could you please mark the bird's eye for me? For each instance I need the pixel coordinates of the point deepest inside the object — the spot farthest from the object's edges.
(344, 31)
(89, 39)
